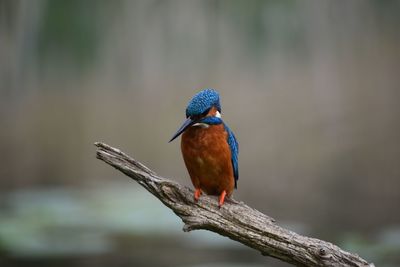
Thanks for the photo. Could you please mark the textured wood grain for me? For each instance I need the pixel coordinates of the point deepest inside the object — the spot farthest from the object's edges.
(235, 219)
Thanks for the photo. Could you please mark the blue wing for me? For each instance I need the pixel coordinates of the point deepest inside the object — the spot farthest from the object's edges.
(234, 146)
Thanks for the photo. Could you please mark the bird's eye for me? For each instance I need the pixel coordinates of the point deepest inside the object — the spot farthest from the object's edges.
(205, 112)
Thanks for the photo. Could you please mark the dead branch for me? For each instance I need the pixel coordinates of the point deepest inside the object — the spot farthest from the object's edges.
(235, 220)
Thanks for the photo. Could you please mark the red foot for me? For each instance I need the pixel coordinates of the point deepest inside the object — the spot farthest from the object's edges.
(221, 198)
(197, 194)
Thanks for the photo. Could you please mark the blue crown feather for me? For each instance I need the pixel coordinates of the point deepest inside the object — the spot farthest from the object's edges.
(202, 101)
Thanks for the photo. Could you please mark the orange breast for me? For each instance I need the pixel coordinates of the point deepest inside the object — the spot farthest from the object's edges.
(208, 159)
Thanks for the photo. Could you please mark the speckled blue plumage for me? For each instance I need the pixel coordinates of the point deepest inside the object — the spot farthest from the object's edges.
(211, 120)
(202, 101)
(234, 146)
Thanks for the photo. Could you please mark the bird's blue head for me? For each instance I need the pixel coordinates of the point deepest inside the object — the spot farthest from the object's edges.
(198, 108)
(202, 102)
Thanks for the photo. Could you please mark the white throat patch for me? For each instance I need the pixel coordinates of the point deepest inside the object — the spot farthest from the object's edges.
(217, 114)
(201, 125)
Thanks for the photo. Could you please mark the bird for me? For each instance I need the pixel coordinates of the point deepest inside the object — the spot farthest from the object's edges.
(209, 147)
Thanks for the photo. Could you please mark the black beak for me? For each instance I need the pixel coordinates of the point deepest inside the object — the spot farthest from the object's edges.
(186, 124)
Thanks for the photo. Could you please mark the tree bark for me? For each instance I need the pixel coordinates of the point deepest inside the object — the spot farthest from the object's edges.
(234, 219)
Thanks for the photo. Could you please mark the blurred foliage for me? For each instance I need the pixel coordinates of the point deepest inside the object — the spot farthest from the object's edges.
(310, 89)
(69, 30)
(72, 30)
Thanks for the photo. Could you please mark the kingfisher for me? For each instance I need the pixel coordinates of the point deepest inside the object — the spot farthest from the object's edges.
(209, 148)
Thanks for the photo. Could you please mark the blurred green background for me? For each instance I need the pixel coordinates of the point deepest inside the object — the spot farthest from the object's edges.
(310, 88)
